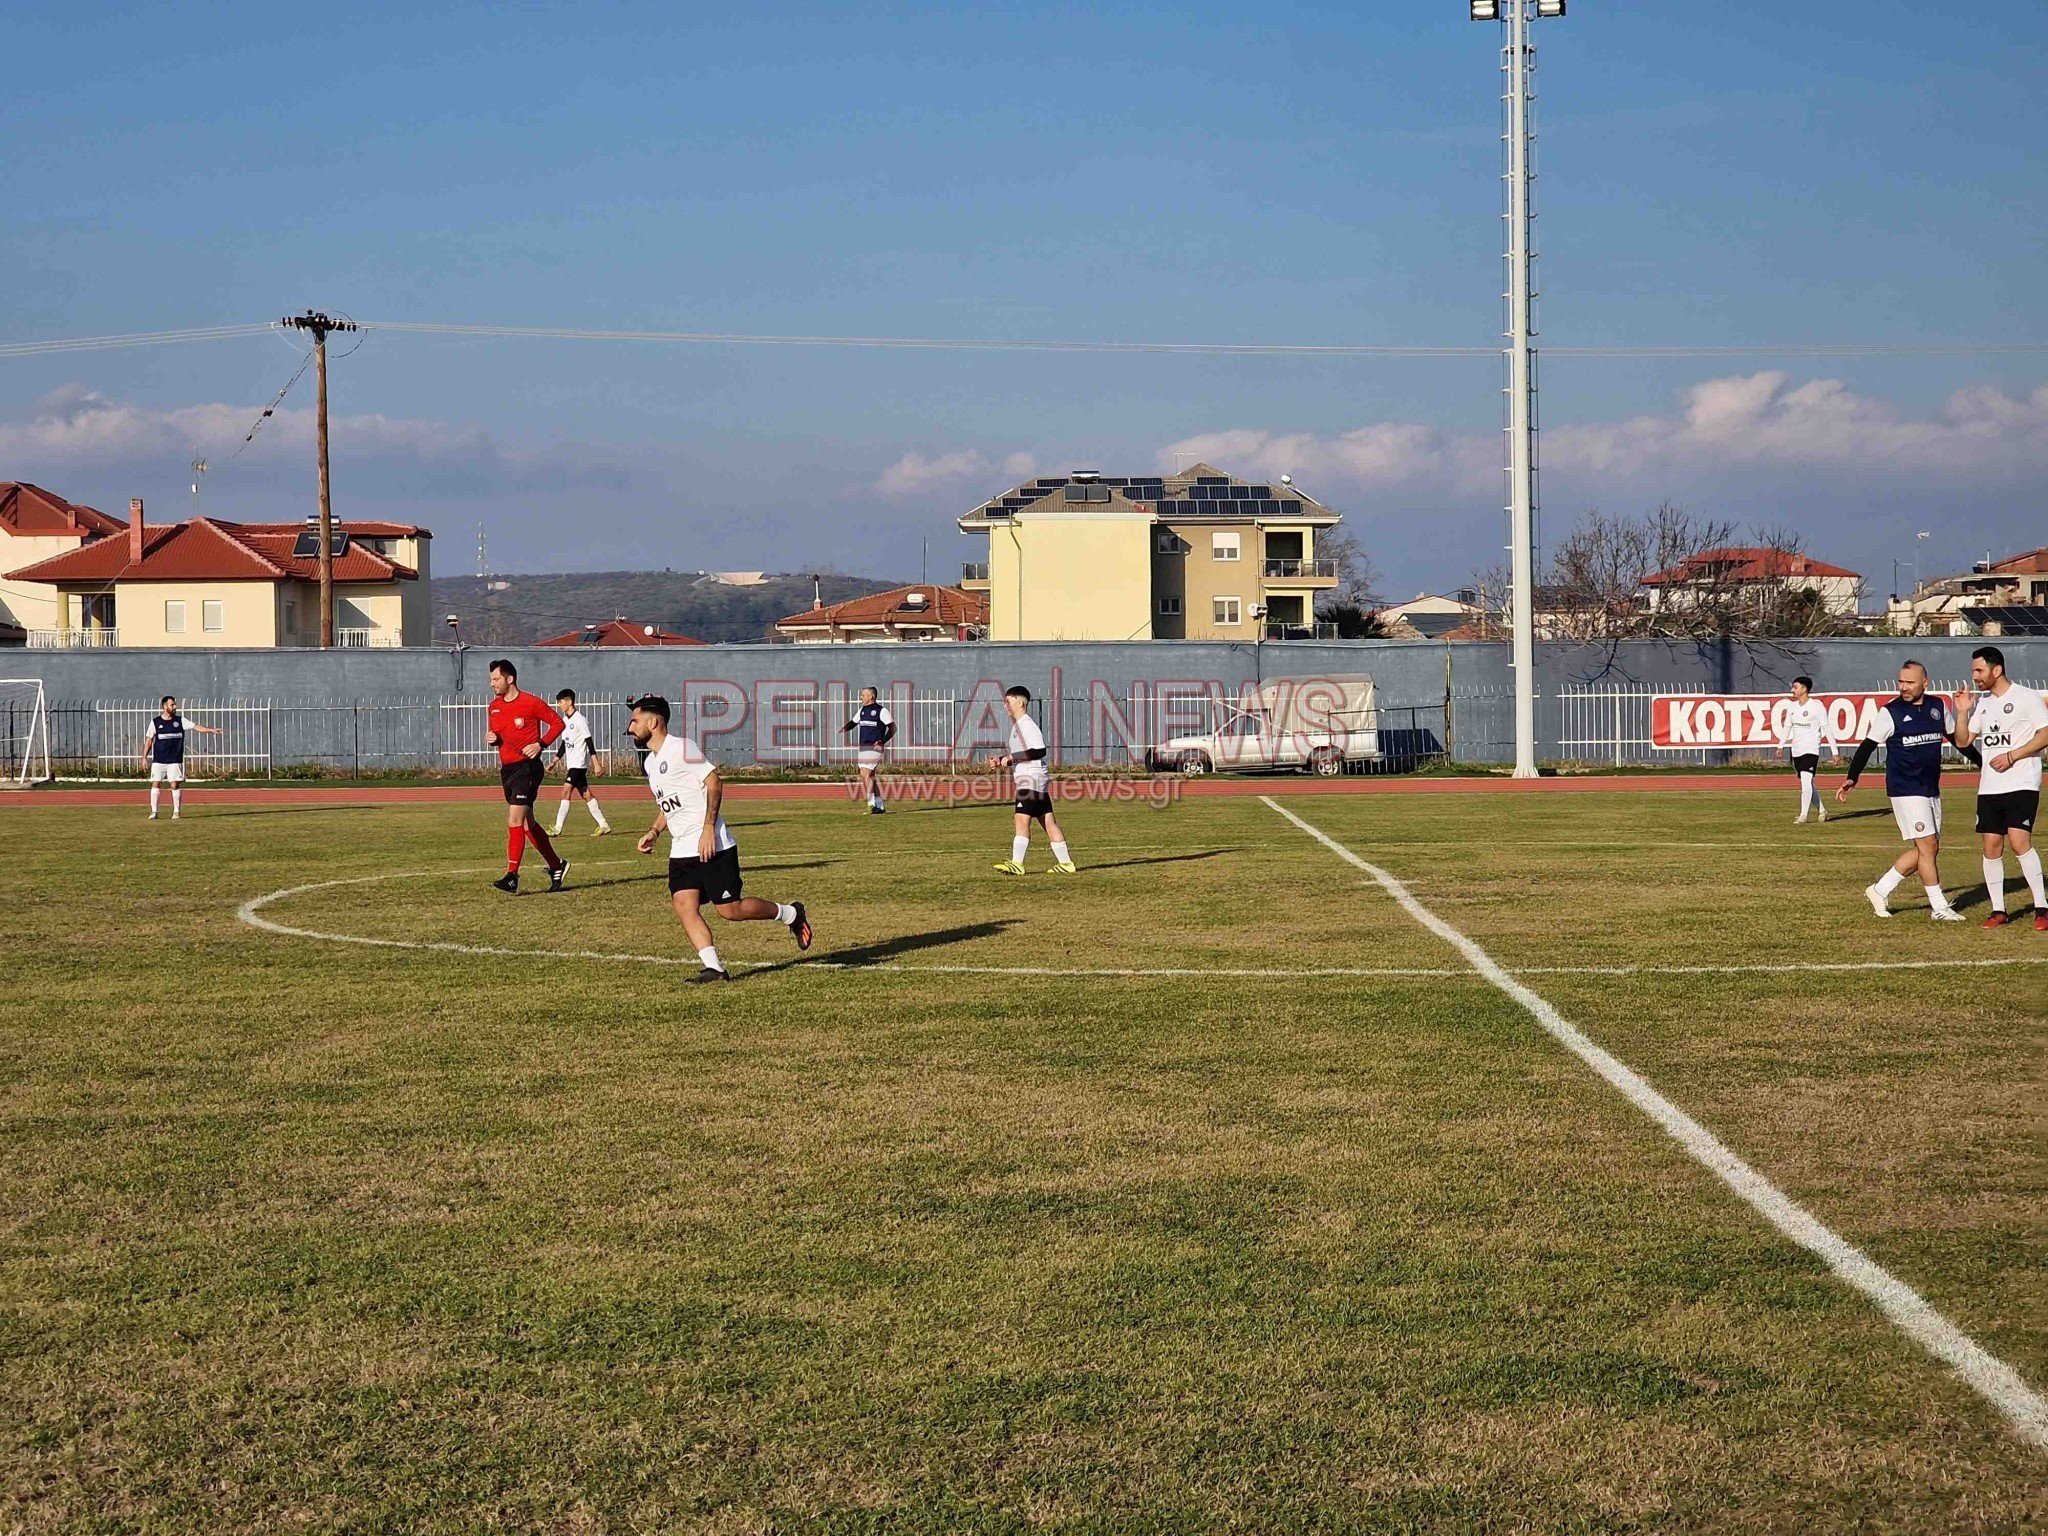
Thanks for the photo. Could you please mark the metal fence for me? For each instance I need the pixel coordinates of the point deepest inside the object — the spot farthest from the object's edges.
(264, 738)
(1610, 724)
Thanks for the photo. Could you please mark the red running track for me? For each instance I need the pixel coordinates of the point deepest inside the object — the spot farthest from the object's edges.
(968, 792)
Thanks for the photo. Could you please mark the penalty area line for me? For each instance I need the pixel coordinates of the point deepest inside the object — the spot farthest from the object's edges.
(1993, 1380)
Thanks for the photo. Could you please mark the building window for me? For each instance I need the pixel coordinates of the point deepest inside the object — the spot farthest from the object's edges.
(1228, 611)
(213, 615)
(1169, 542)
(174, 617)
(1224, 546)
(1169, 607)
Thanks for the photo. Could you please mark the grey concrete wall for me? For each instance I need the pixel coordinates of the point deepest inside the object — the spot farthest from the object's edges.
(320, 686)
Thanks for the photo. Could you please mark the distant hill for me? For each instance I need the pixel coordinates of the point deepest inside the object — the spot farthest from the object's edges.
(524, 609)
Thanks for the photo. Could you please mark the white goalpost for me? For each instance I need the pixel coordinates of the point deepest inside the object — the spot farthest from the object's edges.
(24, 732)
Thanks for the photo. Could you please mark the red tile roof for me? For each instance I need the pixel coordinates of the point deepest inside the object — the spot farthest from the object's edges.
(208, 549)
(30, 512)
(943, 608)
(1760, 564)
(617, 632)
(371, 529)
(2033, 562)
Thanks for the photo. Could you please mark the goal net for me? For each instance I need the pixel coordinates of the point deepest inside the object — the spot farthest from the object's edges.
(24, 731)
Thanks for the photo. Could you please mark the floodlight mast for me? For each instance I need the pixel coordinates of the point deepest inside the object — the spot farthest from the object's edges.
(1518, 67)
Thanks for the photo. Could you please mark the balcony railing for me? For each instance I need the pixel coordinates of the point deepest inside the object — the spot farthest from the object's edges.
(970, 571)
(73, 639)
(1286, 570)
(367, 639)
(1322, 629)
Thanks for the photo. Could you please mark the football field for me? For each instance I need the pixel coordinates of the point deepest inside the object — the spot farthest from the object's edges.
(1448, 1163)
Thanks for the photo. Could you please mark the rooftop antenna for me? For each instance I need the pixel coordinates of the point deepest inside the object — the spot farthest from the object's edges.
(198, 471)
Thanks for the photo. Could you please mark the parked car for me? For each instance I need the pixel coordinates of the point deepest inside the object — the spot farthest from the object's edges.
(1319, 725)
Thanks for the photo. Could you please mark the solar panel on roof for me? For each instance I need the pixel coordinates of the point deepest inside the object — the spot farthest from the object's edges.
(307, 545)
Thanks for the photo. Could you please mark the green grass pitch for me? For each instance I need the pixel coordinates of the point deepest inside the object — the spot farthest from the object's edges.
(301, 1234)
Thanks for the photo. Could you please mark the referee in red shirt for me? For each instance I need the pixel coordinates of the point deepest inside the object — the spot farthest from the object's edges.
(521, 724)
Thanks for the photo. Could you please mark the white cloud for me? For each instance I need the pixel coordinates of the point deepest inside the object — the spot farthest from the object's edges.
(1761, 420)
(1764, 419)
(915, 474)
(1385, 454)
(76, 428)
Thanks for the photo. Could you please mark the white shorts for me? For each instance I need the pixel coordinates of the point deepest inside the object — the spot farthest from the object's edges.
(166, 773)
(868, 757)
(1917, 815)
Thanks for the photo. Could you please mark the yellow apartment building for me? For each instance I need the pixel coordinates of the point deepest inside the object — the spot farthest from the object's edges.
(1198, 555)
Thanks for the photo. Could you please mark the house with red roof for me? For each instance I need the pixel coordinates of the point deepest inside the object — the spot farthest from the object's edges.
(615, 634)
(216, 584)
(1720, 573)
(36, 524)
(919, 613)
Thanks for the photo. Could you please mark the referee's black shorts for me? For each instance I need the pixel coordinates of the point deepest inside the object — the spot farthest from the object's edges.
(2012, 811)
(521, 780)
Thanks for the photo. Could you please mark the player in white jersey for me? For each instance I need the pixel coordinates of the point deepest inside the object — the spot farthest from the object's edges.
(2008, 724)
(1026, 761)
(703, 855)
(1803, 730)
(573, 753)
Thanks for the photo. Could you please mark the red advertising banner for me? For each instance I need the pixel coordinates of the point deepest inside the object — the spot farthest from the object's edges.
(1687, 721)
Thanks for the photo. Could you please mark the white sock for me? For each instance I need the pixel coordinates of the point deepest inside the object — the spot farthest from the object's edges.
(1994, 882)
(784, 913)
(2030, 866)
(708, 955)
(597, 816)
(1889, 881)
(1806, 794)
(1019, 846)
(561, 817)
(177, 801)
(1935, 899)
(154, 795)
(1059, 851)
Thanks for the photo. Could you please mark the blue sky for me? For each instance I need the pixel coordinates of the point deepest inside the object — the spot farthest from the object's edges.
(1742, 172)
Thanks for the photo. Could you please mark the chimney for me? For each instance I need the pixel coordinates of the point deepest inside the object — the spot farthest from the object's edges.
(135, 539)
(817, 594)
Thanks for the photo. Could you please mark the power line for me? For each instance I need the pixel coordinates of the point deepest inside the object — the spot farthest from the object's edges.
(17, 349)
(132, 339)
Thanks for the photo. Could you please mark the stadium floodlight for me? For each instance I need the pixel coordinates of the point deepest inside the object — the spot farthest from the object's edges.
(1518, 138)
(1486, 10)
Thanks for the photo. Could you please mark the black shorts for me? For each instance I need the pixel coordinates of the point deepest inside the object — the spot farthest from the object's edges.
(521, 780)
(717, 877)
(579, 778)
(1806, 762)
(1035, 803)
(2013, 811)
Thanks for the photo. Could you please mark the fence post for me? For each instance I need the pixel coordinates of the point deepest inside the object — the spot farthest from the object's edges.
(355, 710)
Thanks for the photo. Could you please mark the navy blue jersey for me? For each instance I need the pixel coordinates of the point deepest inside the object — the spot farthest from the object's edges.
(1913, 735)
(168, 745)
(872, 723)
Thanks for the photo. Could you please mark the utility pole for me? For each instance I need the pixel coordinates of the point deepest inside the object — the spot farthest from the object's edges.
(1518, 67)
(320, 325)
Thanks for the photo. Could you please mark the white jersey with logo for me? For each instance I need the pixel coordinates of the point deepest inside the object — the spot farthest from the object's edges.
(1025, 736)
(2005, 722)
(677, 774)
(1804, 728)
(576, 739)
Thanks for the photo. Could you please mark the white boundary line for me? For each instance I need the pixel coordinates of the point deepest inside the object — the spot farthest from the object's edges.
(1998, 1383)
(250, 912)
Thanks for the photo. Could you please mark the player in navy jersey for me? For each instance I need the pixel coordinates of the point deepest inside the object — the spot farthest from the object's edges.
(163, 754)
(1914, 727)
(876, 727)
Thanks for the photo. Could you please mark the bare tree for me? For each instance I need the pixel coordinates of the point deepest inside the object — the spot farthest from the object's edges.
(1679, 576)
(1358, 579)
